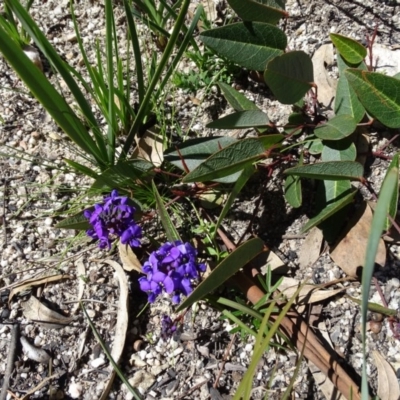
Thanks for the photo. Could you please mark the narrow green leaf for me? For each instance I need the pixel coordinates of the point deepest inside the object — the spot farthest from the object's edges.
(228, 267)
(135, 392)
(392, 210)
(379, 94)
(81, 168)
(290, 76)
(330, 210)
(240, 120)
(250, 10)
(195, 151)
(99, 151)
(352, 51)
(227, 161)
(241, 181)
(332, 170)
(237, 100)
(169, 227)
(51, 100)
(122, 174)
(378, 224)
(336, 128)
(78, 222)
(250, 45)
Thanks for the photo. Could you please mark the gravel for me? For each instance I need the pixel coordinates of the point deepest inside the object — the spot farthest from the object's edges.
(203, 361)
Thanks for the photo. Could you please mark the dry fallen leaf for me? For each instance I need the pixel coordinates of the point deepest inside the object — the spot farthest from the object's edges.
(150, 147)
(80, 273)
(269, 258)
(121, 326)
(34, 310)
(308, 293)
(349, 253)
(128, 258)
(27, 284)
(311, 248)
(326, 85)
(388, 385)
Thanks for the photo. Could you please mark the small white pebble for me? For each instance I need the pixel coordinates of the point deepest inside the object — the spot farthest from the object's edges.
(248, 347)
(24, 375)
(75, 390)
(97, 362)
(395, 282)
(48, 221)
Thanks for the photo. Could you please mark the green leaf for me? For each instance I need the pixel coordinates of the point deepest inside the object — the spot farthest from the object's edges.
(378, 224)
(169, 227)
(379, 94)
(250, 45)
(81, 168)
(237, 100)
(78, 222)
(290, 76)
(332, 170)
(240, 120)
(315, 146)
(123, 174)
(250, 10)
(392, 209)
(336, 128)
(242, 180)
(295, 121)
(329, 210)
(232, 159)
(51, 100)
(228, 267)
(293, 193)
(346, 100)
(196, 151)
(352, 51)
(339, 150)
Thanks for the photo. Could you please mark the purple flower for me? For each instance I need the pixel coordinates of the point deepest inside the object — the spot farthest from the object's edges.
(113, 218)
(168, 328)
(171, 269)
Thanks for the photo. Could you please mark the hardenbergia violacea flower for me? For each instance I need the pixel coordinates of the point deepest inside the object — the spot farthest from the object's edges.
(112, 219)
(172, 268)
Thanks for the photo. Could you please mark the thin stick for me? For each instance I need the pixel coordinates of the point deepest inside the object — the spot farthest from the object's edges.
(10, 361)
(226, 355)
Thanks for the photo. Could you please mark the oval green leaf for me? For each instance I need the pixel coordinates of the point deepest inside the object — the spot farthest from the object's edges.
(332, 170)
(228, 267)
(290, 76)
(352, 51)
(379, 94)
(240, 120)
(339, 150)
(336, 128)
(250, 45)
(250, 10)
(227, 161)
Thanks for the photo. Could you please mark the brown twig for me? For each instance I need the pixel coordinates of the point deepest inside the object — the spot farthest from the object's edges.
(10, 361)
(226, 355)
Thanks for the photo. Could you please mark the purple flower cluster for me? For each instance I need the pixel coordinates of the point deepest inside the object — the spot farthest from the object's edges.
(113, 218)
(171, 268)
